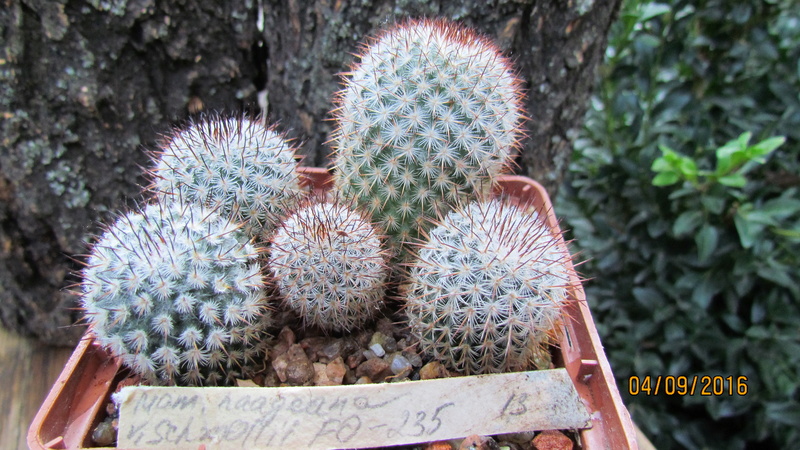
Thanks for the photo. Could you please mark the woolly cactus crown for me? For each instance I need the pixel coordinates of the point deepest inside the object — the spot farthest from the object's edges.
(429, 116)
(487, 288)
(175, 291)
(234, 165)
(329, 265)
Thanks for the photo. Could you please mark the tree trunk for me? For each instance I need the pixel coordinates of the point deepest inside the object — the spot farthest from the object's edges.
(556, 46)
(82, 86)
(85, 86)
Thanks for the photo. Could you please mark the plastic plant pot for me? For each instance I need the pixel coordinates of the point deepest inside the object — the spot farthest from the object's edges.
(74, 405)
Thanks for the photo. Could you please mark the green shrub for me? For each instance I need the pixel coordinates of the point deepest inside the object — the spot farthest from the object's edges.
(691, 231)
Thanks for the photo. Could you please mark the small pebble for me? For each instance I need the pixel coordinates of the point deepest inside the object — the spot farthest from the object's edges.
(377, 338)
(336, 370)
(285, 340)
(376, 369)
(259, 378)
(355, 359)
(299, 369)
(552, 440)
(333, 350)
(286, 335)
(432, 370)
(399, 365)
(369, 354)
(522, 438)
(390, 344)
(279, 365)
(476, 442)
(413, 358)
(349, 376)
(438, 445)
(363, 380)
(313, 347)
(104, 434)
(271, 378)
(377, 349)
(321, 375)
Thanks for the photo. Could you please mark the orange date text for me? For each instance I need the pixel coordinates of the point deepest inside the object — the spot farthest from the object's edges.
(703, 385)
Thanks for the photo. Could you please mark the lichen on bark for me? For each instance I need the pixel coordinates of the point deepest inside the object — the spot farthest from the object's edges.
(85, 86)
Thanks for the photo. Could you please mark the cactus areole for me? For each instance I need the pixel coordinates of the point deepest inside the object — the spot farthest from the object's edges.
(427, 118)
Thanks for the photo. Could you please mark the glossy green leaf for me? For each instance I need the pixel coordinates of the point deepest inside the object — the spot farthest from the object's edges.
(706, 240)
(662, 165)
(766, 146)
(686, 223)
(748, 231)
(666, 179)
(785, 412)
(735, 180)
(651, 10)
(713, 203)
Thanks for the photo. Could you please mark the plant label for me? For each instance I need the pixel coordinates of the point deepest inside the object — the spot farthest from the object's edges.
(348, 416)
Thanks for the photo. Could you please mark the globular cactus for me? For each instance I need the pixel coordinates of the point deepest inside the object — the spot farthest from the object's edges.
(175, 291)
(234, 165)
(487, 290)
(429, 116)
(329, 265)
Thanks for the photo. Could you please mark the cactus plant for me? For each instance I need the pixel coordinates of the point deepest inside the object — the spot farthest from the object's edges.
(176, 293)
(428, 117)
(329, 265)
(487, 288)
(235, 165)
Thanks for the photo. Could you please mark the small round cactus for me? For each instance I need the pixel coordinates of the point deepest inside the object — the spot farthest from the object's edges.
(429, 116)
(487, 289)
(175, 291)
(234, 165)
(329, 265)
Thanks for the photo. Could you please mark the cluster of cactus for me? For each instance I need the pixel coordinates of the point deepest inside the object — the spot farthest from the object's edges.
(329, 265)
(176, 292)
(487, 288)
(234, 165)
(428, 118)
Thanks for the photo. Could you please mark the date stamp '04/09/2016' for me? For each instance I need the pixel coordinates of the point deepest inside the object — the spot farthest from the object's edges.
(702, 385)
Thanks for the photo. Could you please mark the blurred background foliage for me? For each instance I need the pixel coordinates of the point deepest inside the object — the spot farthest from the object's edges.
(684, 198)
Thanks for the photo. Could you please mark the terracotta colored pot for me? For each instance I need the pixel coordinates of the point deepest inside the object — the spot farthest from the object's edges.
(73, 406)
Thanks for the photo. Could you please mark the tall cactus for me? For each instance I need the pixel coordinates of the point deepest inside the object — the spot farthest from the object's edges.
(329, 265)
(428, 117)
(176, 292)
(234, 165)
(487, 289)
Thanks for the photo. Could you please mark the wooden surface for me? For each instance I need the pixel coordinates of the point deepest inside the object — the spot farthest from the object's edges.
(27, 370)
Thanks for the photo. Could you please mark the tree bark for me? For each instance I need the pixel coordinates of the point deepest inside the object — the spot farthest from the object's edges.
(556, 45)
(83, 85)
(86, 86)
